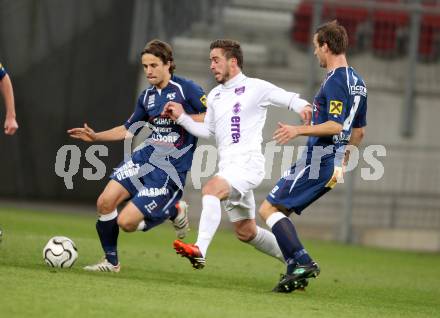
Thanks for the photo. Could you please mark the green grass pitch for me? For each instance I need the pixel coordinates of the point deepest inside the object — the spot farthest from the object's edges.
(155, 282)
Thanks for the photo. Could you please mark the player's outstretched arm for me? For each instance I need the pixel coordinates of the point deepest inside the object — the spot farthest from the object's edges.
(175, 111)
(7, 92)
(278, 97)
(87, 134)
(284, 132)
(200, 118)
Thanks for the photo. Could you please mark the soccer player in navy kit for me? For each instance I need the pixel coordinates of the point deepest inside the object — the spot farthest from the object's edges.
(154, 176)
(6, 90)
(338, 119)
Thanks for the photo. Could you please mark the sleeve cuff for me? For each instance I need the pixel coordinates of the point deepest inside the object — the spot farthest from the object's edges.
(297, 104)
(183, 119)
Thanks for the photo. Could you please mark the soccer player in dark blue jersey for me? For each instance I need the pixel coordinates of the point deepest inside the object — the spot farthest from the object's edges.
(338, 119)
(10, 125)
(152, 178)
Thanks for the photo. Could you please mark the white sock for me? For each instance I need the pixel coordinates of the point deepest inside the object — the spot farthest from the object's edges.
(109, 216)
(141, 226)
(266, 242)
(209, 222)
(274, 218)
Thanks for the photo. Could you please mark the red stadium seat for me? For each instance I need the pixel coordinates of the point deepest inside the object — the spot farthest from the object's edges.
(302, 18)
(389, 36)
(349, 17)
(429, 43)
(388, 30)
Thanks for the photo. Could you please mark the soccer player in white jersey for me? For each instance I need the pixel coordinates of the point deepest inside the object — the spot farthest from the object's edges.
(235, 116)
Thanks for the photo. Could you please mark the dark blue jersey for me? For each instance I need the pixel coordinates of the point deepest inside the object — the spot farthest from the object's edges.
(168, 141)
(2, 71)
(342, 98)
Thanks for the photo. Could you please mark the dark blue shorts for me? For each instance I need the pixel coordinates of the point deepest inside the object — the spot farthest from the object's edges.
(302, 184)
(155, 194)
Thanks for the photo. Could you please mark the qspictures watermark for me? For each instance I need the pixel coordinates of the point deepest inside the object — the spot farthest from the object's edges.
(204, 164)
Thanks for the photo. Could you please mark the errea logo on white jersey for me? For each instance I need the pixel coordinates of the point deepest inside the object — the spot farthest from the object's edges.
(171, 96)
(235, 123)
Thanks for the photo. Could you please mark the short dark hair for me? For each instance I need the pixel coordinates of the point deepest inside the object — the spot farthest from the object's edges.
(335, 35)
(231, 48)
(161, 50)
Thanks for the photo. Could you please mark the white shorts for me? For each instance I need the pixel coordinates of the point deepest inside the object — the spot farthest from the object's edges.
(240, 207)
(243, 173)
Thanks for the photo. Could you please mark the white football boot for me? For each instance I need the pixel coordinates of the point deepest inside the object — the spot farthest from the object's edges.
(181, 222)
(103, 266)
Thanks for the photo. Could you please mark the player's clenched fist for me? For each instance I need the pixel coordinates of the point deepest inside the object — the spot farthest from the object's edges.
(306, 115)
(85, 134)
(10, 126)
(173, 110)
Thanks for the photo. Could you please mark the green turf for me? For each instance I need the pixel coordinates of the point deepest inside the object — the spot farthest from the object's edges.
(155, 282)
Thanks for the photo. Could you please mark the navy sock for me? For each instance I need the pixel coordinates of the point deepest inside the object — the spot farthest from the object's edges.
(173, 212)
(289, 243)
(149, 224)
(108, 232)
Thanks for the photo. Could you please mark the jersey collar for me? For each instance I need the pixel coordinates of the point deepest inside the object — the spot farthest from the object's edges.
(235, 80)
(159, 91)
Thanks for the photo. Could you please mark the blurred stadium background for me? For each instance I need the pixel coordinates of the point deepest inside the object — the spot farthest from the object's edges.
(78, 61)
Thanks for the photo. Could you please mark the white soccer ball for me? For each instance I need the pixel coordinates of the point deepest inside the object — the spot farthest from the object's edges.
(60, 251)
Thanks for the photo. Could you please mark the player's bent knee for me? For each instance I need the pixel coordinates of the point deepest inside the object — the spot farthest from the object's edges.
(263, 211)
(105, 205)
(266, 209)
(209, 190)
(245, 233)
(216, 187)
(244, 236)
(126, 225)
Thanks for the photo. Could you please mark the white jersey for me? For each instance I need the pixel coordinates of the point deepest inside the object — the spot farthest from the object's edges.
(236, 113)
(235, 116)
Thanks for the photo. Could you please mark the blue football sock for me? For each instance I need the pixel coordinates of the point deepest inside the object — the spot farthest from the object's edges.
(149, 224)
(289, 243)
(108, 232)
(172, 212)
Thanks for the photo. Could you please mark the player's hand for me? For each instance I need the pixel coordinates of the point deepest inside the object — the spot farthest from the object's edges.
(10, 126)
(284, 133)
(306, 114)
(85, 134)
(173, 110)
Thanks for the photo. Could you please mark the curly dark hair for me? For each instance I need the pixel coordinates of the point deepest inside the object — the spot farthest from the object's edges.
(335, 35)
(231, 48)
(161, 50)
